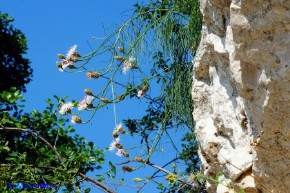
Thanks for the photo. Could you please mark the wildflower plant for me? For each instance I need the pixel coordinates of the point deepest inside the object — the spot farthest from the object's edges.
(150, 50)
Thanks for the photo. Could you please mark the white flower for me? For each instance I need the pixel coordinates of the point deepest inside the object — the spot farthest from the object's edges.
(114, 144)
(68, 61)
(70, 53)
(132, 59)
(65, 108)
(128, 64)
(65, 64)
(121, 152)
(118, 127)
(140, 93)
(87, 100)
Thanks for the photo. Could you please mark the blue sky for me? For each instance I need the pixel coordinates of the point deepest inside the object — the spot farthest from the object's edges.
(53, 26)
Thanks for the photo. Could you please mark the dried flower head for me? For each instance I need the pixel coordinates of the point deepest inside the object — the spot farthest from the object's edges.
(127, 169)
(88, 92)
(75, 119)
(119, 58)
(115, 134)
(121, 49)
(138, 159)
(93, 75)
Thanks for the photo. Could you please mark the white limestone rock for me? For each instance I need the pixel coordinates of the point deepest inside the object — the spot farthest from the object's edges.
(241, 93)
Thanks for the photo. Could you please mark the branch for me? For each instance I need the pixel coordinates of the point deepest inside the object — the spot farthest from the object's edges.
(107, 189)
(38, 136)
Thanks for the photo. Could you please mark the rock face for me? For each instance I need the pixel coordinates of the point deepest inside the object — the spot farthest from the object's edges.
(241, 92)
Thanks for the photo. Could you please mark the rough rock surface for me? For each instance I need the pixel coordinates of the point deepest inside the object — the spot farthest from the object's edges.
(241, 91)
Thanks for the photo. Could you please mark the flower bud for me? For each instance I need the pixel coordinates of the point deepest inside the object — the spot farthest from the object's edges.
(145, 89)
(122, 97)
(119, 58)
(121, 49)
(59, 64)
(127, 169)
(74, 59)
(121, 130)
(93, 75)
(61, 56)
(90, 106)
(104, 100)
(138, 159)
(115, 134)
(126, 154)
(76, 54)
(70, 66)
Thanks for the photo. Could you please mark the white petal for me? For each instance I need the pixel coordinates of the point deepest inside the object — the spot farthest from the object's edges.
(71, 51)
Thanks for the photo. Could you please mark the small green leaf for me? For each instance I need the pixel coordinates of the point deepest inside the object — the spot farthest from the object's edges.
(112, 167)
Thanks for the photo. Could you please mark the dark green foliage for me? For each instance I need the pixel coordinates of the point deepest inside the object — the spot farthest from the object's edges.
(26, 158)
(14, 68)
